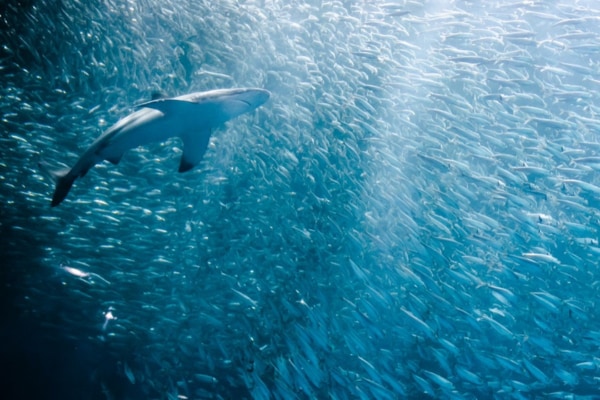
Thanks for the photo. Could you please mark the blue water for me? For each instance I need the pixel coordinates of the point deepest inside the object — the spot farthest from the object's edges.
(415, 212)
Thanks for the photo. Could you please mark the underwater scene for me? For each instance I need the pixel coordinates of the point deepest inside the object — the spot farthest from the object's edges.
(289, 199)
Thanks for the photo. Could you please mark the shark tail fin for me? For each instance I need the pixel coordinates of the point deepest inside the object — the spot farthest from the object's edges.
(64, 180)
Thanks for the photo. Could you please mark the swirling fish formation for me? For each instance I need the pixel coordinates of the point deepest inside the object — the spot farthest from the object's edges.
(413, 214)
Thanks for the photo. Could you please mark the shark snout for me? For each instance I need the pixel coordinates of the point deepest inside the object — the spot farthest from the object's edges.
(254, 98)
(236, 102)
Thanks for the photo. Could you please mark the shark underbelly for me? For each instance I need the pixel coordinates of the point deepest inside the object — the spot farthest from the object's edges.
(151, 126)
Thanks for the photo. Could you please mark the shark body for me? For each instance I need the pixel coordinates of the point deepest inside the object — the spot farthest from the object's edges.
(190, 117)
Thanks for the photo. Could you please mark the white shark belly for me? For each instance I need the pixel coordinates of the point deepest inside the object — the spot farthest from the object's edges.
(146, 126)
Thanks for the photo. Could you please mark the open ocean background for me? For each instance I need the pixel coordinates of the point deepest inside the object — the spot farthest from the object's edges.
(415, 213)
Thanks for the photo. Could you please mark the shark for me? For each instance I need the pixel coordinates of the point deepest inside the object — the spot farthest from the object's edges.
(191, 117)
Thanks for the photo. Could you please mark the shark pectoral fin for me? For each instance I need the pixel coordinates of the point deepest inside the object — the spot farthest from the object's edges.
(194, 147)
(115, 159)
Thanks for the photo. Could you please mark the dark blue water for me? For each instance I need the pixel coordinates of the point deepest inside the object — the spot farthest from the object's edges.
(413, 214)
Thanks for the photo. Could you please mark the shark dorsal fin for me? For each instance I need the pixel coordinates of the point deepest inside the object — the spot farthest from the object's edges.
(158, 94)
